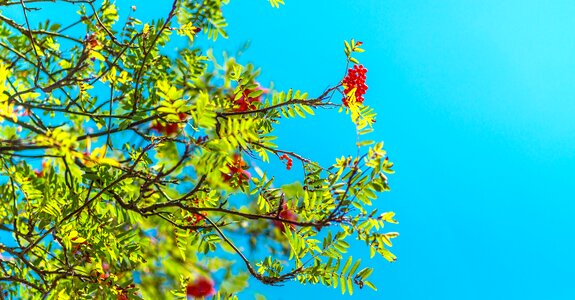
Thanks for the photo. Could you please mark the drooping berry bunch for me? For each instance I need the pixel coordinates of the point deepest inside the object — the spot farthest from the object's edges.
(289, 161)
(355, 78)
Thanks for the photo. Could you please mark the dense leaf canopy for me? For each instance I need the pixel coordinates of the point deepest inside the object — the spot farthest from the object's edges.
(132, 173)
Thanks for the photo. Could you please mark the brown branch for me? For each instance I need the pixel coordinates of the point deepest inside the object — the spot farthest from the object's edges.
(290, 153)
(23, 281)
(33, 42)
(264, 279)
(76, 211)
(117, 129)
(250, 216)
(316, 102)
(29, 34)
(101, 24)
(147, 53)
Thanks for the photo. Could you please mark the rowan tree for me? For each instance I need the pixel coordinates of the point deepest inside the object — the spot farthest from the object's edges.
(130, 172)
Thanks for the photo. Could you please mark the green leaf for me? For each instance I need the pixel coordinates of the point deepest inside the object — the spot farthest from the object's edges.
(307, 109)
(369, 284)
(350, 286)
(346, 266)
(354, 268)
(255, 93)
(347, 48)
(365, 143)
(276, 3)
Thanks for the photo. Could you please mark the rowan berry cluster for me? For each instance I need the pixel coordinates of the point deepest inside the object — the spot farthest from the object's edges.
(243, 101)
(355, 78)
(40, 173)
(285, 214)
(196, 218)
(92, 40)
(200, 288)
(289, 161)
(238, 174)
(168, 129)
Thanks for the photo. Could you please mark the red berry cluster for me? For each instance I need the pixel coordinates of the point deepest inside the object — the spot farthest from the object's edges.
(45, 167)
(92, 40)
(355, 78)
(196, 218)
(238, 173)
(168, 129)
(244, 102)
(289, 161)
(200, 288)
(285, 214)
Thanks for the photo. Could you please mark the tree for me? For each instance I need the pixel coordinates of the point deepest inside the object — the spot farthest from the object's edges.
(132, 173)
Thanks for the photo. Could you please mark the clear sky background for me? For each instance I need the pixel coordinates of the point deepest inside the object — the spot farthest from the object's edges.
(476, 102)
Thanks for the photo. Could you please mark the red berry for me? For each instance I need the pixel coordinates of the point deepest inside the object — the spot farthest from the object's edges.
(285, 214)
(92, 40)
(237, 170)
(289, 161)
(169, 129)
(355, 78)
(201, 287)
(244, 102)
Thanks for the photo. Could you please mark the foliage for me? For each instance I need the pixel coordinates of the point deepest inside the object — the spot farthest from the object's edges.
(131, 173)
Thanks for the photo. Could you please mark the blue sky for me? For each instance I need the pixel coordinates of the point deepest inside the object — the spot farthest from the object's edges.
(476, 102)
